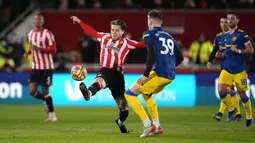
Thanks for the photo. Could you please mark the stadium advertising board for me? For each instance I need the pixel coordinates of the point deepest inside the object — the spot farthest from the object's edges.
(65, 91)
(172, 96)
(185, 91)
(14, 89)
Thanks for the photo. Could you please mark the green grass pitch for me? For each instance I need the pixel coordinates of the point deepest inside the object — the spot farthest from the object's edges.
(25, 124)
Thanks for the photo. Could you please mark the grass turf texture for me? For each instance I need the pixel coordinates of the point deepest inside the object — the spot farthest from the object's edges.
(25, 124)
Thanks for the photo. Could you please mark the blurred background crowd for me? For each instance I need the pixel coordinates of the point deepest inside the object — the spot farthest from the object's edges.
(196, 53)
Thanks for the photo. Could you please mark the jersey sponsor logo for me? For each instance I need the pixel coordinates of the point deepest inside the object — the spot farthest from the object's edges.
(234, 38)
(115, 49)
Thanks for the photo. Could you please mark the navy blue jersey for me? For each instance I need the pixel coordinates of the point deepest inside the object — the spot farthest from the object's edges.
(219, 44)
(165, 45)
(234, 62)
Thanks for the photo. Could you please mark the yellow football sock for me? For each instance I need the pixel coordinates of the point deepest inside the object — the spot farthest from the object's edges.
(151, 105)
(137, 106)
(235, 102)
(248, 109)
(222, 107)
(228, 102)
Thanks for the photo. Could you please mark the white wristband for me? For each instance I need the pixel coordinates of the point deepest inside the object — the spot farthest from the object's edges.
(238, 51)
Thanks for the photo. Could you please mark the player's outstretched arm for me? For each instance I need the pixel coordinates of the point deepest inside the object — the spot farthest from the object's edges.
(87, 29)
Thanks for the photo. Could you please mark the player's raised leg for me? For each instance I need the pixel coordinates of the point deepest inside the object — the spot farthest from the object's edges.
(98, 84)
(226, 80)
(133, 101)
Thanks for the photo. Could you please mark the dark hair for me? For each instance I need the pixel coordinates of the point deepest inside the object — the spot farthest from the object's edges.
(234, 13)
(119, 22)
(41, 17)
(155, 14)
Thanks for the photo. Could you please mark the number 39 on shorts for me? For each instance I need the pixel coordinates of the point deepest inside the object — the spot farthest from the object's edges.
(168, 44)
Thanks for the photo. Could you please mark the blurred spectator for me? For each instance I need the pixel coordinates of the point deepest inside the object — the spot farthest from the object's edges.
(220, 5)
(158, 4)
(200, 50)
(60, 60)
(87, 46)
(190, 4)
(27, 61)
(128, 4)
(7, 63)
(18, 49)
(97, 4)
(63, 5)
(74, 57)
(139, 55)
(81, 4)
(203, 4)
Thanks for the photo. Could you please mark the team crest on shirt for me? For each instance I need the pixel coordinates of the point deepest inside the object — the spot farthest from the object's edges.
(234, 38)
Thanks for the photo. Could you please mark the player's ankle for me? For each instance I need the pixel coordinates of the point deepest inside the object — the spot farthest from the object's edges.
(146, 122)
(156, 122)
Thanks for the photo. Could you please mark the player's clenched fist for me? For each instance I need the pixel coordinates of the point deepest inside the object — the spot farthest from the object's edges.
(75, 19)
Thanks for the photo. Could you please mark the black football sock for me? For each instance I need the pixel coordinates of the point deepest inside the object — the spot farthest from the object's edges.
(49, 103)
(39, 95)
(94, 88)
(123, 115)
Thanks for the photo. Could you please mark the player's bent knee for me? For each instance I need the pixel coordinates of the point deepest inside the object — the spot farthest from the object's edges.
(100, 82)
(222, 88)
(32, 91)
(135, 89)
(242, 94)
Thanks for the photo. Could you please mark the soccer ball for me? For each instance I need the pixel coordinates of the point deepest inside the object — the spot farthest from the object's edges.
(78, 72)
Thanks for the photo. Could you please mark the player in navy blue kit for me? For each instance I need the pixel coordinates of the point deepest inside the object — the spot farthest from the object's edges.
(164, 54)
(219, 49)
(238, 46)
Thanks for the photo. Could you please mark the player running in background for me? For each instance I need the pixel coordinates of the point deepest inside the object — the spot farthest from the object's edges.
(42, 46)
(218, 49)
(238, 46)
(114, 49)
(164, 54)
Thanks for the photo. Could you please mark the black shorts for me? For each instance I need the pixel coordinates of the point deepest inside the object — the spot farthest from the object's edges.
(114, 81)
(43, 77)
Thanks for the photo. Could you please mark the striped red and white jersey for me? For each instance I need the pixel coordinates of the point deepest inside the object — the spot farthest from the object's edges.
(44, 39)
(113, 53)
